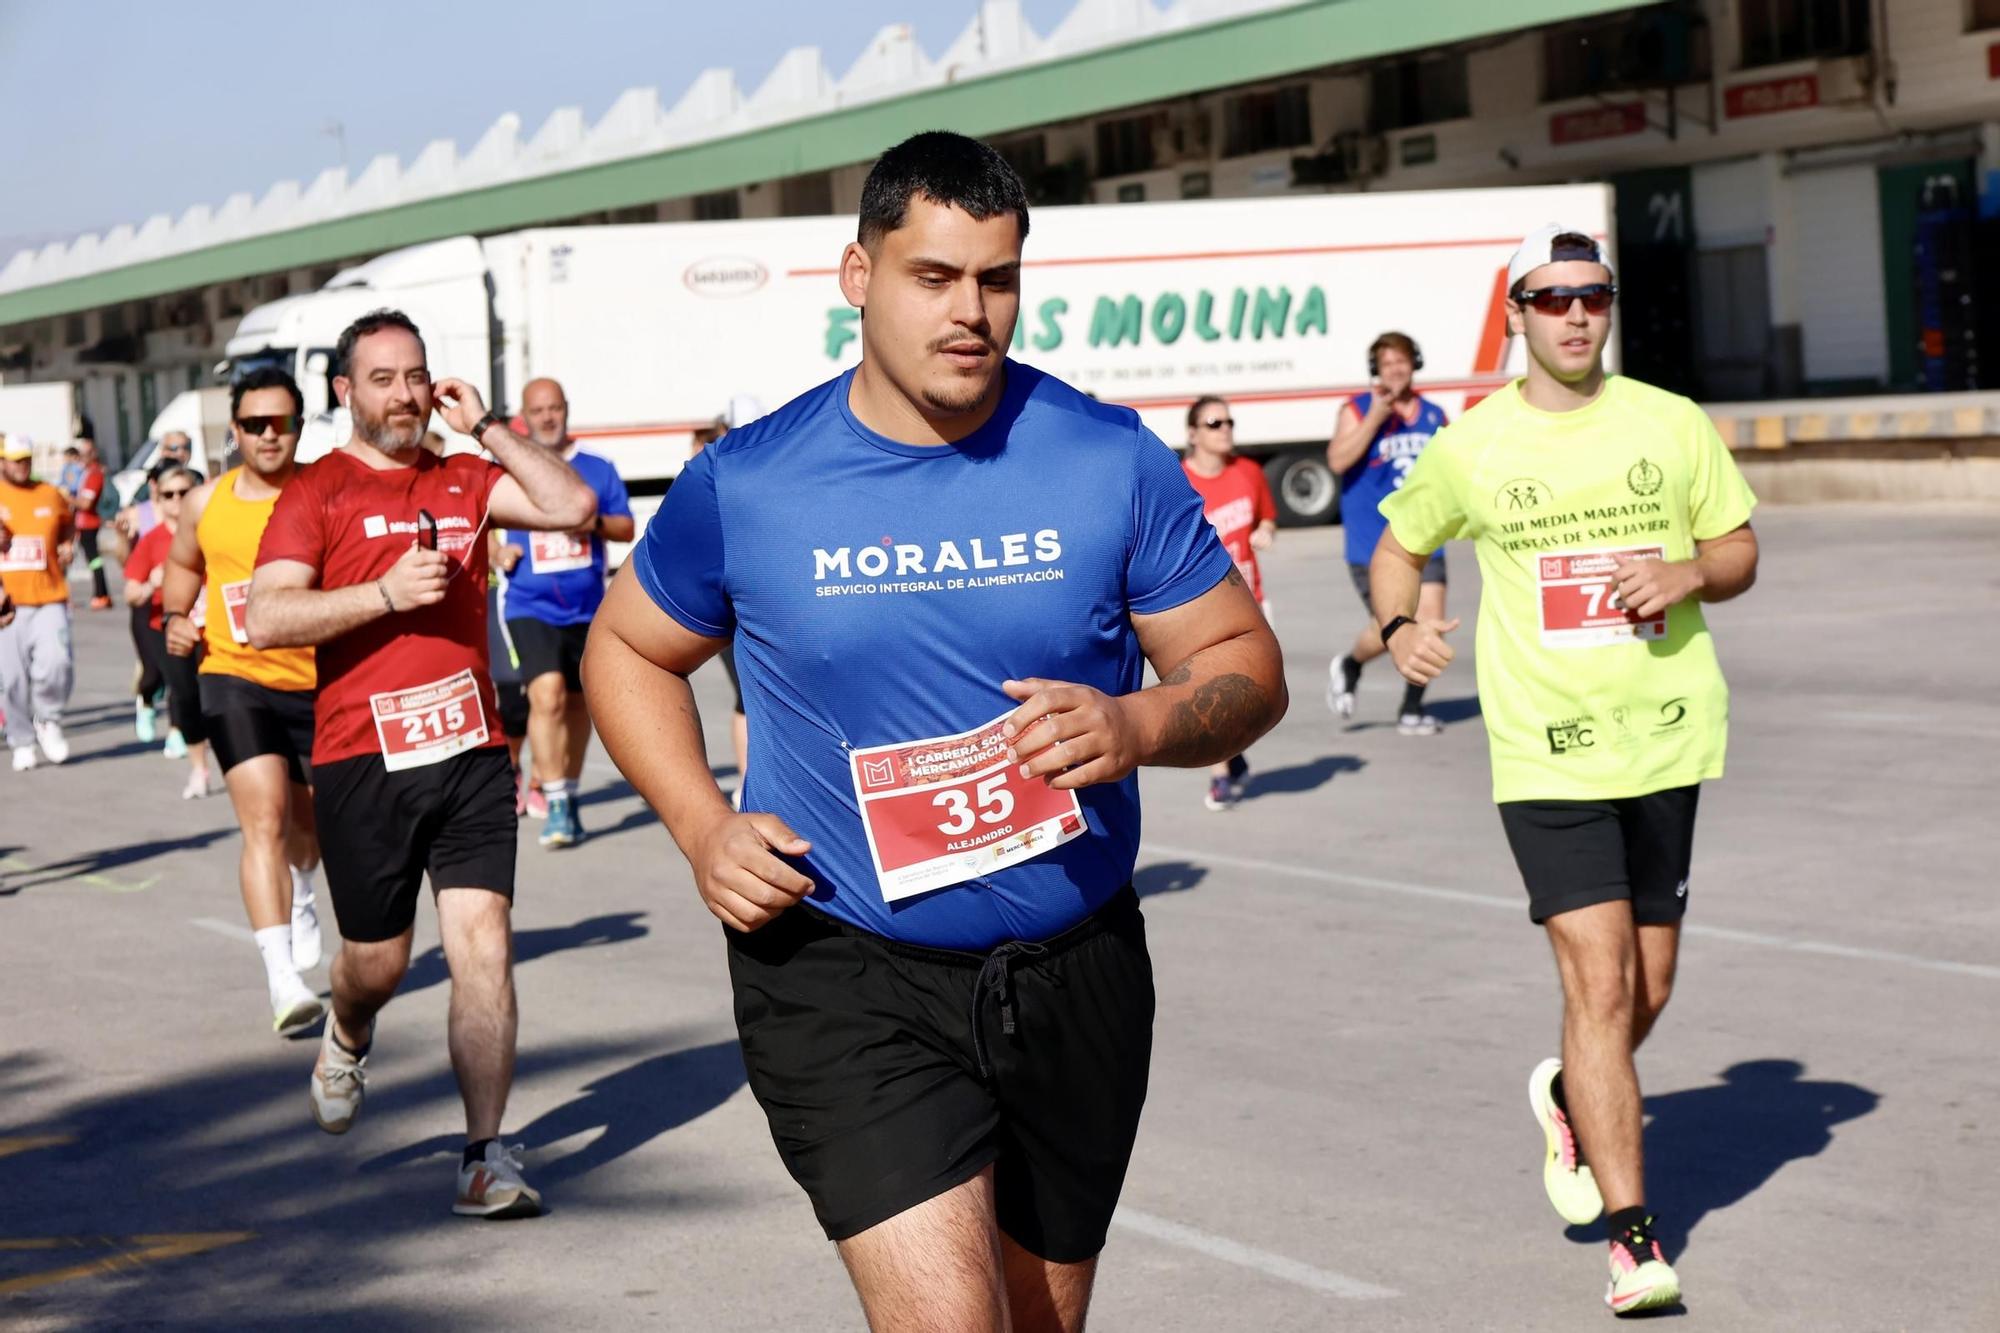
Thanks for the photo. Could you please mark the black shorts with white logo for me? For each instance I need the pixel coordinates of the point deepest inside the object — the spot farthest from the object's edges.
(891, 1073)
(246, 720)
(380, 832)
(544, 648)
(1579, 853)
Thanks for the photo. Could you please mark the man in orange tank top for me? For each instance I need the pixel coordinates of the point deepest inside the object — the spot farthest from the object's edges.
(258, 704)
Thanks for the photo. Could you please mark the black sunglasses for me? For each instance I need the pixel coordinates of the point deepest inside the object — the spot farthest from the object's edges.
(1217, 423)
(1596, 298)
(284, 423)
(175, 495)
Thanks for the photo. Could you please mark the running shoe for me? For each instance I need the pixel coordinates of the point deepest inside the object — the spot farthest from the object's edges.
(1339, 694)
(197, 785)
(25, 758)
(339, 1082)
(305, 922)
(176, 746)
(1641, 1277)
(537, 805)
(54, 744)
(1219, 795)
(100, 603)
(1418, 724)
(1565, 1175)
(520, 795)
(294, 1007)
(563, 829)
(493, 1188)
(1239, 769)
(145, 722)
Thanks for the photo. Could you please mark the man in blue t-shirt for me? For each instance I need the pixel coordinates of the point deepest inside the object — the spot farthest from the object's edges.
(945, 573)
(1378, 437)
(554, 585)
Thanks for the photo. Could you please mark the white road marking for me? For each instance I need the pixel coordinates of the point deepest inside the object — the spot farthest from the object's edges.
(229, 928)
(1248, 1256)
(1511, 903)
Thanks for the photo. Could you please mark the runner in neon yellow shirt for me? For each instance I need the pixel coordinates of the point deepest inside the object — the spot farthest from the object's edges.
(1604, 512)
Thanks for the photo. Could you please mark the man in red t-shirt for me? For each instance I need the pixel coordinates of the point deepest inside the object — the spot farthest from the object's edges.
(376, 556)
(88, 524)
(1236, 499)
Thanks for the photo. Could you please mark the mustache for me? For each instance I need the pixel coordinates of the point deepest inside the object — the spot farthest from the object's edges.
(940, 344)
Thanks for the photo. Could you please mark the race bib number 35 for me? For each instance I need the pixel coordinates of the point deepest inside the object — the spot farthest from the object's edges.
(1580, 606)
(429, 724)
(941, 811)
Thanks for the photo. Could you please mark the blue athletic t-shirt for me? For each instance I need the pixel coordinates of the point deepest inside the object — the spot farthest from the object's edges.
(569, 596)
(1380, 470)
(880, 592)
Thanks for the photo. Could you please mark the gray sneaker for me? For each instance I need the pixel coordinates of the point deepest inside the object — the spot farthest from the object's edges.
(339, 1082)
(493, 1187)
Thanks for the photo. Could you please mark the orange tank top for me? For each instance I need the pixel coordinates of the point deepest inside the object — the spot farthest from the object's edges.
(229, 532)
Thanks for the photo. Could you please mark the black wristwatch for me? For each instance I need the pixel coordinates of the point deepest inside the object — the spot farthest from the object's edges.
(167, 617)
(484, 424)
(1393, 626)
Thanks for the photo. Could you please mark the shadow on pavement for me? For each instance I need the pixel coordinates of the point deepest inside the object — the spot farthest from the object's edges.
(1709, 1148)
(1168, 877)
(1299, 777)
(229, 1147)
(428, 968)
(109, 858)
(1447, 711)
(629, 1109)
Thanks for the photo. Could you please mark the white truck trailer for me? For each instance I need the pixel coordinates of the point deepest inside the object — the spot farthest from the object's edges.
(653, 329)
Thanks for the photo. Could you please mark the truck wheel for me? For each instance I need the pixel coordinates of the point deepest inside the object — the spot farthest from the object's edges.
(1305, 488)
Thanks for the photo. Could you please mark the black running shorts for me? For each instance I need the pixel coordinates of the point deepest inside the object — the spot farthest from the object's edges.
(379, 832)
(246, 720)
(891, 1073)
(544, 648)
(1579, 853)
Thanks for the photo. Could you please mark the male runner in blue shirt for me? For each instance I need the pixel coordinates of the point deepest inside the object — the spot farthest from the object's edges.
(945, 573)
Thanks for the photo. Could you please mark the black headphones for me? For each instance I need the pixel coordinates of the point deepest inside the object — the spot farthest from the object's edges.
(1375, 358)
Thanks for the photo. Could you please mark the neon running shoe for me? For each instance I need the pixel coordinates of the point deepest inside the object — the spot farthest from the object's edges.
(176, 746)
(294, 1007)
(145, 722)
(1641, 1278)
(536, 804)
(493, 1187)
(339, 1083)
(1565, 1175)
(100, 603)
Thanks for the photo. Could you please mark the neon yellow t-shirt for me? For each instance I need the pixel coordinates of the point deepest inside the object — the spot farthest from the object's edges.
(1581, 701)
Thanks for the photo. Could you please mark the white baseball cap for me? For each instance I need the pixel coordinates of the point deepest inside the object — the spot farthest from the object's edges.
(1539, 247)
(18, 446)
(744, 409)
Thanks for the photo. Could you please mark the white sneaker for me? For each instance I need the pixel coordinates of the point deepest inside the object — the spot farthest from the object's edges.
(53, 743)
(197, 785)
(339, 1082)
(492, 1187)
(25, 758)
(305, 922)
(1418, 724)
(294, 1007)
(1339, 698)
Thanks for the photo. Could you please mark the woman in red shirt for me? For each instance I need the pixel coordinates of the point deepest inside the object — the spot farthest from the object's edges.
(145, 570)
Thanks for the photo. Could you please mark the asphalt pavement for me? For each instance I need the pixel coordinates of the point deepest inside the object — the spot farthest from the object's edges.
(1351, 997)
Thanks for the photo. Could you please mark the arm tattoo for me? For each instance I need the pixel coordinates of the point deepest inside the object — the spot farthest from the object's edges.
(1180, 675)
(1234, 578)
(1220, 718)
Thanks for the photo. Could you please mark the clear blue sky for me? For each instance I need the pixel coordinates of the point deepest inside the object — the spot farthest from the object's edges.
(119, 109)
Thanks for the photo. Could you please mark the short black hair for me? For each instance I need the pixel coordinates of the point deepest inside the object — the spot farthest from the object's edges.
(945, 168)
(373, 322)
(266, 377)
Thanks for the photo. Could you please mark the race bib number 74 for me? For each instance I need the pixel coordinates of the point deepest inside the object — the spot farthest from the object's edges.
(941, 811)
(1580, 604)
